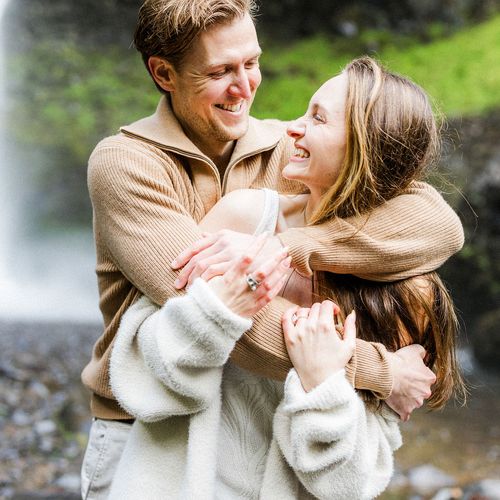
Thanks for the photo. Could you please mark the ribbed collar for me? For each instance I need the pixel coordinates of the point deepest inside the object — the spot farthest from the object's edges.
(163, 130)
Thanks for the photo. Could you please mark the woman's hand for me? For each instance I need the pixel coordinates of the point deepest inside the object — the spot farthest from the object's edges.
(315, 347)
(233, 289)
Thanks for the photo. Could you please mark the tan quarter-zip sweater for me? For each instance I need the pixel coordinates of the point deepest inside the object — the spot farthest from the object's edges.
(150, 185)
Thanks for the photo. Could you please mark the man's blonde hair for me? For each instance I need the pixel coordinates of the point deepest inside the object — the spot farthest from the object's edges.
(168, 28)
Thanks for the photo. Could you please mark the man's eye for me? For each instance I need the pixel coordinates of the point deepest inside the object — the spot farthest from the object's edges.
(218, 74)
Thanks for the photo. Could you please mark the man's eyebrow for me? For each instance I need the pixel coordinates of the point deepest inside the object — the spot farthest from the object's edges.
(220, 64)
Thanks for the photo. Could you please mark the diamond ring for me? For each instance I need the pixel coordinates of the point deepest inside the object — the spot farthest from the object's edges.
(252, 283)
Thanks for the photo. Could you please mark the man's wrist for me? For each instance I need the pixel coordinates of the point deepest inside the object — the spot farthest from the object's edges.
(374, 371)
(393, 360)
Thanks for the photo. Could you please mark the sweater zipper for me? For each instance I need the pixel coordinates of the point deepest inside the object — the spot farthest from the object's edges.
(241, 158)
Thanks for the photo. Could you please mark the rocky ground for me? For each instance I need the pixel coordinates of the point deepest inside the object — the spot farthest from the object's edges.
(44, 421)
(44, 415)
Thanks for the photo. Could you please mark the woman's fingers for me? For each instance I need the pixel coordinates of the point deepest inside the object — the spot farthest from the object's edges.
(266, 268)
(271, 293)
(350, 328)
(273, 276)
(287, 321)
(241, 265)
(277, 273)
(312, 319)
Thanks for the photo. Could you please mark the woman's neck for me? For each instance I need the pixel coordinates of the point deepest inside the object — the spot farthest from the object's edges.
(297, 210)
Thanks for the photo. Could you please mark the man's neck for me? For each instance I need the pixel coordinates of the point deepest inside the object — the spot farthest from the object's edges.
(219, 153)
(221, 160)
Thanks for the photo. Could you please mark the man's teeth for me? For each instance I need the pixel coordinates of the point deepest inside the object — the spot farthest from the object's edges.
(230, 107)
(301, 153)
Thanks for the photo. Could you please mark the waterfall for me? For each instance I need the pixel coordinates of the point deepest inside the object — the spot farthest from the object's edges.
(48, 277)
(4, 189)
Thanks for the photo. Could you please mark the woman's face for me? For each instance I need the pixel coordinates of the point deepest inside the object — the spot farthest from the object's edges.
(320, 138)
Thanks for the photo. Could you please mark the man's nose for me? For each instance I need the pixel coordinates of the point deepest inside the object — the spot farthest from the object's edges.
(240, 87)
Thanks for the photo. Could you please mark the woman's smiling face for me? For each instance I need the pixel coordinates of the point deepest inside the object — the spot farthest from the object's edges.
(320, 138)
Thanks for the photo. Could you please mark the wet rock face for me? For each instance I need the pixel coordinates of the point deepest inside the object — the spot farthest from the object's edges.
(474, 274)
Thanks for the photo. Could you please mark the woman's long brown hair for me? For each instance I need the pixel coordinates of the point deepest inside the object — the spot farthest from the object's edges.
(412, 311)
(392, 138)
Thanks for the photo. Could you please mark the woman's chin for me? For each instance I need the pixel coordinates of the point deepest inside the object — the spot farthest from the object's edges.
(294, 172)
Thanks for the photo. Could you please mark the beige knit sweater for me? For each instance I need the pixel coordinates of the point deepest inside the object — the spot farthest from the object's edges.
(150, 185)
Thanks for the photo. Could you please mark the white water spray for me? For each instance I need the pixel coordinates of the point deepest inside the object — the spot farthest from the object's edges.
(4, 188)
(41, 278)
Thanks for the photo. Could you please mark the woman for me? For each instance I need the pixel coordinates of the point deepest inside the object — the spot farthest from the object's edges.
(366, 136)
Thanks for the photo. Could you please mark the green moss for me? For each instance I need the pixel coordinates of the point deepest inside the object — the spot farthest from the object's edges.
(460, 72)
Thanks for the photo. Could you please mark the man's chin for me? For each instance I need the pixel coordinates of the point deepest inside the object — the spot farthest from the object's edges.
(235, 132)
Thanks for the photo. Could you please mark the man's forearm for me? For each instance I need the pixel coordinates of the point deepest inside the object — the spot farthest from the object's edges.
(409, 235)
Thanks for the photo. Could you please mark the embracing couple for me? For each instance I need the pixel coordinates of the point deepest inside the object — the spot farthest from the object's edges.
(268, 291)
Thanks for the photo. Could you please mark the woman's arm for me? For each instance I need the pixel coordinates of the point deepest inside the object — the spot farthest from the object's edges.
(169, 361)
(334, 445)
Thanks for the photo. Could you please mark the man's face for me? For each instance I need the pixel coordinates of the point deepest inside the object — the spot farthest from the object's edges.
(216, 84)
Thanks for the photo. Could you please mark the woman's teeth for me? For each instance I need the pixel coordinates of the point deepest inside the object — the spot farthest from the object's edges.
(301, 153)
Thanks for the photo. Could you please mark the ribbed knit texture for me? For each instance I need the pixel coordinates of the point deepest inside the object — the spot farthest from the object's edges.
(149, 187)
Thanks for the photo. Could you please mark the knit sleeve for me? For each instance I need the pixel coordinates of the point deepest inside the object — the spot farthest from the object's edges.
(262, 350)
(169, 361)
(335, 446)
(140, 213)
(411, 234)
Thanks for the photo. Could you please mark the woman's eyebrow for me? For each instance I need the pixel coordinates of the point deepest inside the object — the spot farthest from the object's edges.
(316, 107)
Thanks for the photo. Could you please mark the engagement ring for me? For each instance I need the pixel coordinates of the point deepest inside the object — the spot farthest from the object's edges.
(252, 283)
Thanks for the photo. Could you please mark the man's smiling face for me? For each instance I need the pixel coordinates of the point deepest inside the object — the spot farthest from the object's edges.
(216, 84)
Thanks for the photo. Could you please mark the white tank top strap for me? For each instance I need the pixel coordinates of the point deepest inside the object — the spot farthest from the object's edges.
(271, 212)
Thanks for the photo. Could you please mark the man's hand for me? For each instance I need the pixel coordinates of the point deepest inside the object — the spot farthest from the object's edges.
(412, 380)
(213, 254)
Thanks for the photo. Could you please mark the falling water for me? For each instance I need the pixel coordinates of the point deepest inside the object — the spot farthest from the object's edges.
(48, 277)
(4, 216)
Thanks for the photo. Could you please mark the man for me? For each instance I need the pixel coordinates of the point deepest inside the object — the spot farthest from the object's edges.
(151, 183)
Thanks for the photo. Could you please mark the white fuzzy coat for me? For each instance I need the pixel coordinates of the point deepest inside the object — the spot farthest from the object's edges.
(259, 440)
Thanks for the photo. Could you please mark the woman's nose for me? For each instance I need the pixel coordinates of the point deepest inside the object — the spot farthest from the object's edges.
(296, 128)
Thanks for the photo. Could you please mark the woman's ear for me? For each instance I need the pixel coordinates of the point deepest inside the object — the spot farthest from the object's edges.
(163, 73)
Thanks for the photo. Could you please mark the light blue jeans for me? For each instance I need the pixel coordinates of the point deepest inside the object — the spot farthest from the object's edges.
(107, 440)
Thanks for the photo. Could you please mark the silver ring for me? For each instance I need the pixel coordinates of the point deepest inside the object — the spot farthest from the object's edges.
(296, 317)
(252, 283)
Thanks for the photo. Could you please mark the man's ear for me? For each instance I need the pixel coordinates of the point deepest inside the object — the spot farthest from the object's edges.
(163, 73)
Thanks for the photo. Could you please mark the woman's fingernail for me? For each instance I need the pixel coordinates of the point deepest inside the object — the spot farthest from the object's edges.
(177, 283)
(173, 263)
(287, 262)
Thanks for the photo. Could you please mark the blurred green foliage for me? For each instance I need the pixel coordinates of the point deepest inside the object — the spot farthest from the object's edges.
(460, 72)
(67, 97)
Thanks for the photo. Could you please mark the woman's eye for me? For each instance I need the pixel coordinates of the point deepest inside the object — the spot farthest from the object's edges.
(318, 118)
